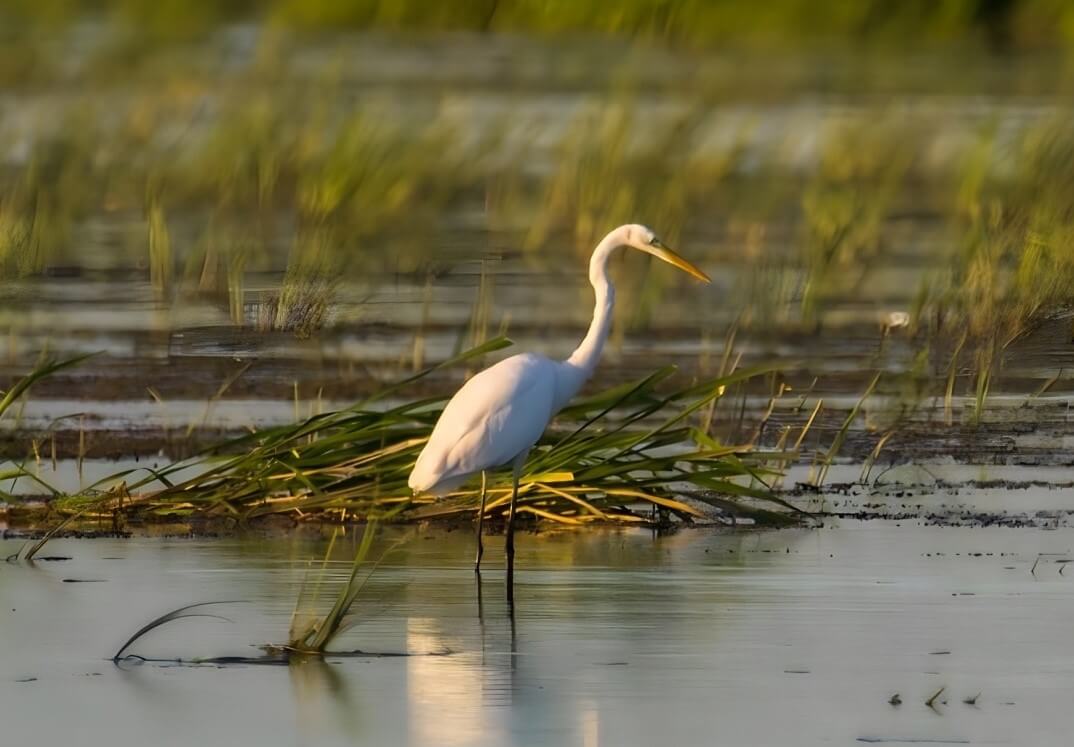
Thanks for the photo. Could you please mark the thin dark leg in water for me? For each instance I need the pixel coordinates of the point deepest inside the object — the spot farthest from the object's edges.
(481, 521)
(510, 544)
(480, 603)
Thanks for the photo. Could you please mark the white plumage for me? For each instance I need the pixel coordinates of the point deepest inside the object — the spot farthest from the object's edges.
(499, 414)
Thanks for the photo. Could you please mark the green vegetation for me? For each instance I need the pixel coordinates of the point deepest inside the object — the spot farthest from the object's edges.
(311, 630)
(288, 173)
(202, 173)
(612, 451)
(354, 464)
(1026, 23)
(279, 185)
(1013, 263)
(859, 175)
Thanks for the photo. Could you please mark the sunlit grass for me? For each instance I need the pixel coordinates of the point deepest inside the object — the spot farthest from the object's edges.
(611, 452)
(311, 630)
(845, 206)
(293, 176)
(312, 627)
(1011, 265)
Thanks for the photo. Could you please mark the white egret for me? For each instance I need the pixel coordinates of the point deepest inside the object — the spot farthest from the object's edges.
(499, 414)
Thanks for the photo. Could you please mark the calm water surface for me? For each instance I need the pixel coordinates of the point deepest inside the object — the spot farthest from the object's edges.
(794, 637)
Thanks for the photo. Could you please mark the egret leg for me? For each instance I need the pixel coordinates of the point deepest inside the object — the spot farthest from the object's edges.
(510, 544)
(480, 521)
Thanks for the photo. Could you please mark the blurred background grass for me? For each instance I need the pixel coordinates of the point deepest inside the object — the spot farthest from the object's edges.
(1017, 23)
(913, 158)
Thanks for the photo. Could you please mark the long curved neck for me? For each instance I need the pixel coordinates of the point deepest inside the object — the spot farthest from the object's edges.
(585, 357)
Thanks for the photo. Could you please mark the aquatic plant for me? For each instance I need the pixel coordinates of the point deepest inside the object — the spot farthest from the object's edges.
(309, 634)
(1013, 267)
(171, 616)
(311, 631)
(40, 202)
(278, 170)
(277, 159)
(820, 469)
(302, 303)
(598, 179)
(844, 208)
(44, 368)
(161, 263)
(628, 445)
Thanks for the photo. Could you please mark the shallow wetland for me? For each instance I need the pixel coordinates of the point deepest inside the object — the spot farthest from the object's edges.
(823, 626)
(265, 230)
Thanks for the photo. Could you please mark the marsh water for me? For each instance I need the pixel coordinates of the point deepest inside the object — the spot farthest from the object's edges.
(798, 636)
(619, 637)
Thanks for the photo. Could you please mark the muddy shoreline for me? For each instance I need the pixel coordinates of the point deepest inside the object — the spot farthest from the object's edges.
(942, 504)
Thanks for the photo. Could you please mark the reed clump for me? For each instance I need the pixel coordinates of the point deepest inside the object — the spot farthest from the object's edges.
(312, 629)
(627, 447)
(1013, 265)
(844, 208)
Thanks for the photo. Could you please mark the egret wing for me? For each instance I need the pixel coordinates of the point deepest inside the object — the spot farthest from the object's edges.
(498, 414)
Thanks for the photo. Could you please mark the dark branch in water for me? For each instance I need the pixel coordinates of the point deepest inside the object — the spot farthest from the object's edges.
(273, 656)
(278, 656)
(177, 614)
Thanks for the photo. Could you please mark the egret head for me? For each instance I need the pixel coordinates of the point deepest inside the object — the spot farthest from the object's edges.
(644, 239)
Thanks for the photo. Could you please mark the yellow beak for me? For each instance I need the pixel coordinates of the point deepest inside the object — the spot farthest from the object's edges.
(662, 252)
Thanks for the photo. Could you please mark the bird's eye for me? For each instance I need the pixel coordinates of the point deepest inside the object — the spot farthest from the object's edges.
(654, 241)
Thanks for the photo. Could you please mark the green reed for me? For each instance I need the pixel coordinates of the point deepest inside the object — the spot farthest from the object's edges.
(630, 445)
